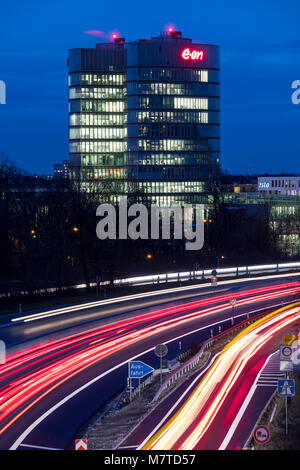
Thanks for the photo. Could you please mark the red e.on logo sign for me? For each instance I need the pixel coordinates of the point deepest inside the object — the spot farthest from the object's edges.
(187, 54)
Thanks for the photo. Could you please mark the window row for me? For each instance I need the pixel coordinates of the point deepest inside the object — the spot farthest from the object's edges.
(97, 147)
(103, 106)
(96, 79)
(178, 159)
(163, 172)
(96, 93)
(181, 75)
(174, 144)
(170, 116)
(174, 172)
(98, 133)
(97, 119)
(152, 102)
(102, 160)
(157, 130)
(106, 173)
(285, 183)
(190, 103)
(167, 89)
(172, 186)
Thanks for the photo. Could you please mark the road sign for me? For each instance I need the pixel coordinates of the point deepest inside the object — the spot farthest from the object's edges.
(81, 444)
(214, 280)
(161, 350)
(286, 353)
(286, 387)
(286, 366)
(233, 302)
(289, 339)
(138, 369)
(261, 434)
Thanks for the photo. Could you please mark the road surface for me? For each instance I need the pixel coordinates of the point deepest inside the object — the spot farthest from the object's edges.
(48, 390)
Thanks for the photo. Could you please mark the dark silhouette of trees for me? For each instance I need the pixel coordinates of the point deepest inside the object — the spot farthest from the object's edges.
(48, 234)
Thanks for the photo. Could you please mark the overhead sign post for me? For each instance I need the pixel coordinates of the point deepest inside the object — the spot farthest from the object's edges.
(232, 303)
(161, 350)
(261, 434)
(137, 370)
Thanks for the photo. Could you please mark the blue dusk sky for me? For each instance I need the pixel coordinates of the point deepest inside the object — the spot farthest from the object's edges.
(260, 58)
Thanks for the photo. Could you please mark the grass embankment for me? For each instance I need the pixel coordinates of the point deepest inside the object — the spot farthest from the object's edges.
(279, 440)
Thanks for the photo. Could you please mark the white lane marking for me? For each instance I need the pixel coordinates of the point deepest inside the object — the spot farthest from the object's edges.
(50, 313)
(242, 410)
(177, 403)
(128, 447)
(95, 379)
(39, 447)
(41, 315)
(268, 380)
(266, 385)
(273, 374)
(27, 431)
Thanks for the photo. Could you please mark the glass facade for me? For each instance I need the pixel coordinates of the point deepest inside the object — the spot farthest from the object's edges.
(97, 117)
(173, 120)
(141, 114)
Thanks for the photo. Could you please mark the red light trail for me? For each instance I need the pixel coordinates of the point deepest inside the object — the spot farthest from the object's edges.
(195, 417)
(31, 374)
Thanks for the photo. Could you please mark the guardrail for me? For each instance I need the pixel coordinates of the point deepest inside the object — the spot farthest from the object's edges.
(237, 271)
(194, 361)
(207, 273)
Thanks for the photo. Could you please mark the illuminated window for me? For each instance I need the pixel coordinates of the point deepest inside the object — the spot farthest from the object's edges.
(190, 103)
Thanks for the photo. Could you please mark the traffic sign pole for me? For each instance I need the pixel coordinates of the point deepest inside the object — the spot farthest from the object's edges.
(130, 395)
(161, 350)
(286, 388)
(232, 303)
(286, 411)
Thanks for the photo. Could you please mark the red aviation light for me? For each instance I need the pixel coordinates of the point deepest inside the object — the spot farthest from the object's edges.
(187, 54)
(116, 39)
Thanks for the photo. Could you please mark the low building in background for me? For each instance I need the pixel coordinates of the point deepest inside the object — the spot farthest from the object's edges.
(285, 185)
(62, 170)
(245, 188)
(283, 215)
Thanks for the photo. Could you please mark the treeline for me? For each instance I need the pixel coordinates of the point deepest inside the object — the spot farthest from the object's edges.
(48, 237)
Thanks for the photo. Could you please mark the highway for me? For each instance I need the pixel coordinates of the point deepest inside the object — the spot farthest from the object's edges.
(49, 389)
(222, 406)
(19, 329)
